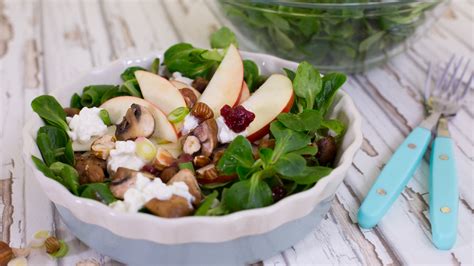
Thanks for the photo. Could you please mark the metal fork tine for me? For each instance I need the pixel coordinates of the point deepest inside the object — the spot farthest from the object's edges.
(449, 88)
(459, 81)
(466, 89)
(440, 81)
(428, 82)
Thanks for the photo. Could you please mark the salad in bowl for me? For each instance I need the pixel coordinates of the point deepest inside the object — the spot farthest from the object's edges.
(201, 133)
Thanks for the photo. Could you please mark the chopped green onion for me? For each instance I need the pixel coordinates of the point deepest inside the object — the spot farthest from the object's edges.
(178, 114)
(155, 66)
(63, 249)
(131, 87)
(206, 204)
(104, 115)
(186, 165)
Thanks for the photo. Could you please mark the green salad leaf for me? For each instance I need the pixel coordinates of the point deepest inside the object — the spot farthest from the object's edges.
(97, 191)
(309, 175)
(54, 145)
(350, 37)
(93, 95)
(332, 82)
(129, 73)
(48, 108)
(222, 38)
(206, 204)
(190, 61)
(69, 176)
(248, 194)
(239, 153)
(308, 120)
(40, 165)
(307, 84)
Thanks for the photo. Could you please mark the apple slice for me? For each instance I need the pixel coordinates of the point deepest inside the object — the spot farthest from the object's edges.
(275, 96)
(244, 93)
(181, 85)
(118, 106)
(226, 84)
(159, 91)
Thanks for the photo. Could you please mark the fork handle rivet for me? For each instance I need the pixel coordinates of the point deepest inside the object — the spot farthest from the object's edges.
(444, 157)
(412, 146)
(445, 209)
(381, 192)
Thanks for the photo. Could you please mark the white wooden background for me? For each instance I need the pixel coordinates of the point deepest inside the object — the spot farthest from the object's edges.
(47, 43)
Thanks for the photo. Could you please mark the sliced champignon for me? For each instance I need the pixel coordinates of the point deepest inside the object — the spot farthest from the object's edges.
(206, 132)
(168, 173)
(186, 176)
(162, 159)
(200, 84)
(70, 112)
(102, 146)
(90, 168)
(175, 207)
(191, 145)
(122, 180)
(137, 122)
(189, 97)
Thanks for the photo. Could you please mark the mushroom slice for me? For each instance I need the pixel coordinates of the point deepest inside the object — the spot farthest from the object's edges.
(70, 112)
(176, 206)
(206, 132)
(122, 180)
(137, 122)
(186, 176)
(102, 146)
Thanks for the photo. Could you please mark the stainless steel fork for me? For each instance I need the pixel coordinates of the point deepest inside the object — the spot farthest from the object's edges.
(442, 100)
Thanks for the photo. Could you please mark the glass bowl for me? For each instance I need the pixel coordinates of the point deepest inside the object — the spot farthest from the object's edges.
(334, 35)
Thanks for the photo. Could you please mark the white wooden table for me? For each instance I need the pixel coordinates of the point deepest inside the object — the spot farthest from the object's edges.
(45, 44)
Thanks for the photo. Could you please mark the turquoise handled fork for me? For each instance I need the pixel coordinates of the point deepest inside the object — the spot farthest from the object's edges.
(442, 100)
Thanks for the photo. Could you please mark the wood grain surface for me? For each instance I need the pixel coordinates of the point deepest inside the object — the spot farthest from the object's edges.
(47, 43)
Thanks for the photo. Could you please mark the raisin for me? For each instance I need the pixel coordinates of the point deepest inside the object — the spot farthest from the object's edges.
(278, 193)
(150, 169)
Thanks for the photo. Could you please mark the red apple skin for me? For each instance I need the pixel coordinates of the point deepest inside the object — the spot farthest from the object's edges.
(244, 94)
(264, 131)
(218, 180)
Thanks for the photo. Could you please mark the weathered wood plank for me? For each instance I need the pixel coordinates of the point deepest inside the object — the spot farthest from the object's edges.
(193, 21)
(15, 34)
(74, 41)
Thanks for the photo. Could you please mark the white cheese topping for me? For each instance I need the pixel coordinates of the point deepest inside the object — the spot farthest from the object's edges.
(179, 77)
(145, 189)
(225, 134)
(124, 156)
(86, 125)
(190, 123)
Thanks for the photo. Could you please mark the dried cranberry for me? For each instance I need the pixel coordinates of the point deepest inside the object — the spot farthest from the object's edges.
(150, 169)
(278, 192)
(237, 118)
(184, 158)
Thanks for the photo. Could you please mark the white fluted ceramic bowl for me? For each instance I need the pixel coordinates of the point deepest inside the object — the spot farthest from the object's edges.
(242, 237)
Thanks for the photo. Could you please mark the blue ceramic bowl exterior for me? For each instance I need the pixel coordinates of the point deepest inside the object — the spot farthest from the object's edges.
(239, 251)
